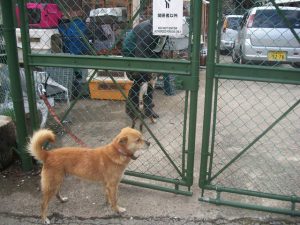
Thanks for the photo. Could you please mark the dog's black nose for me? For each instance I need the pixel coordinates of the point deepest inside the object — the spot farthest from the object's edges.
(147, 143)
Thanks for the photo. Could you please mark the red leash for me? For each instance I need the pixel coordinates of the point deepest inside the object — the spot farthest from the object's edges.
(56, 118)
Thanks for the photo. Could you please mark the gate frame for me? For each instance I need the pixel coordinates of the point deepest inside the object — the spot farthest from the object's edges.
(217, 71)
(15, 82)
(188, 70)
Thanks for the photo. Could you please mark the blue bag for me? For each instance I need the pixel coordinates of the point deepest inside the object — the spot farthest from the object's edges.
(72, 39)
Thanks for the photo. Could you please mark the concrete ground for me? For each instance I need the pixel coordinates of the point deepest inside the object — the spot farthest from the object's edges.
(20, 201)
(20, 204)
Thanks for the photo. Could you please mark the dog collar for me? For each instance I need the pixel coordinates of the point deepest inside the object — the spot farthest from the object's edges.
(127, 154)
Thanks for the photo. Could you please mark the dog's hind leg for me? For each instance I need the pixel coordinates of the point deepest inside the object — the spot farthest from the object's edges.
(48, 193)
(51, 181)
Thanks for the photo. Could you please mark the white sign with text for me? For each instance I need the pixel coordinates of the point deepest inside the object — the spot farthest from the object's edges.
(167, 17)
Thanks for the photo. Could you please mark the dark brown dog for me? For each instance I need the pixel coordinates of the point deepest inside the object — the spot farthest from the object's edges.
(135, 106)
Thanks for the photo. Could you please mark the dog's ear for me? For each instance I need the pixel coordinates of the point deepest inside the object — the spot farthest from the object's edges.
(123, 140)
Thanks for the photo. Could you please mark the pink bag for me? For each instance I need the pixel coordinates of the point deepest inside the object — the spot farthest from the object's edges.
(41, 15)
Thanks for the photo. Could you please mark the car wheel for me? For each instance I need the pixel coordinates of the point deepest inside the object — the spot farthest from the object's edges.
(234, 57)
(223, 52)
(242, 60)
(296, 65)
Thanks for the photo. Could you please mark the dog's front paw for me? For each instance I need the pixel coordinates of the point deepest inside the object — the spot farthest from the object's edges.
(61, 199)
(46, 221)
(121, 209)
(64, 199)
(153, 120)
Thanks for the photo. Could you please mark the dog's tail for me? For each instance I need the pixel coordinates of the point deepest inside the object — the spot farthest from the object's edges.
(35, 146)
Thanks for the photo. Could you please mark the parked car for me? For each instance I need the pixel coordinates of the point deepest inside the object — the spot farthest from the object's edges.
(229, 32)
(264, 36)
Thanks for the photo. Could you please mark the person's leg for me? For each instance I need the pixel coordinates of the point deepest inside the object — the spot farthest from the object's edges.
(133, 97)
(148, 102)
(169, 87)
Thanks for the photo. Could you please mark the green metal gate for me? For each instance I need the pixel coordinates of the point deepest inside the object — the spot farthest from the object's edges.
(250, 145)
(168, 164)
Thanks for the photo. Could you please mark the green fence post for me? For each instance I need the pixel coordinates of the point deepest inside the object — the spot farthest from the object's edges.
(15, 82)
(196, 18)
(28, 73)
(210, 67)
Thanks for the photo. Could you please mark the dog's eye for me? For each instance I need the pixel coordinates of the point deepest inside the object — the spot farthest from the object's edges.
(139, 140)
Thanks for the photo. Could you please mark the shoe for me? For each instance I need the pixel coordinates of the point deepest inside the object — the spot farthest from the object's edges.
(151, 105)
(151, 113)
(155, 115)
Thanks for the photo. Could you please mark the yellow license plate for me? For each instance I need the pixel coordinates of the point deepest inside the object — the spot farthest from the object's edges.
(277, 56)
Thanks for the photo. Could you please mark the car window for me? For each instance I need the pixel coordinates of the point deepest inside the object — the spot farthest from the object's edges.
(233, 22)
(271, 19)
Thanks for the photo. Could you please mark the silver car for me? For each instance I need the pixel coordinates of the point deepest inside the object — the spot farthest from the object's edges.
(264, 36)
(229, 32)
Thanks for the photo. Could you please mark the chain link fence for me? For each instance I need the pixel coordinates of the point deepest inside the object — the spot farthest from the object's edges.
(245, 112)
(4, 79)
(97, 104)
(252, 153)
(255, 143)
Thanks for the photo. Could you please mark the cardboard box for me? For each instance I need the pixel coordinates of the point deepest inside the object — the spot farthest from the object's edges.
(105, 89)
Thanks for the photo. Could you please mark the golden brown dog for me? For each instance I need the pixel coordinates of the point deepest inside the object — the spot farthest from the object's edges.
(105, 164)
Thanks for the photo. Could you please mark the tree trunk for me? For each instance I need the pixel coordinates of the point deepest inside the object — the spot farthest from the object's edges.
(7, 141)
